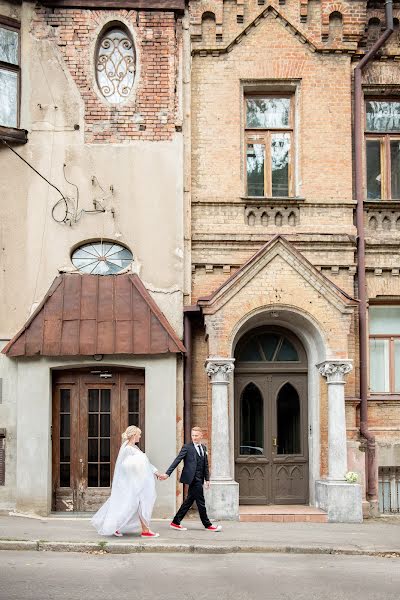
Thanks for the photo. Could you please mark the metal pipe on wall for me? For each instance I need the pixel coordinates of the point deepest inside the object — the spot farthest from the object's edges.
(372, 487)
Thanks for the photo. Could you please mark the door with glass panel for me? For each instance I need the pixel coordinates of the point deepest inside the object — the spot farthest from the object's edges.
(271, 431)
(91, 409)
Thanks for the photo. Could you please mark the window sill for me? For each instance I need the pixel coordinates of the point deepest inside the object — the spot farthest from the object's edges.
(13, 135)
(385, 397)
(273, 200)
(381, 203)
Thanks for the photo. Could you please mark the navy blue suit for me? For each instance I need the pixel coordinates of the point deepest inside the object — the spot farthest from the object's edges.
(195, 472)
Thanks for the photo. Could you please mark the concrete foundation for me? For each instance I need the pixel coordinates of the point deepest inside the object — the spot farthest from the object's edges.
(342, 501)
(222, 500)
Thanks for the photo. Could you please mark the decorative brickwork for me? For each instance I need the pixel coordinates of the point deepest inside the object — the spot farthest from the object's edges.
(150, 110)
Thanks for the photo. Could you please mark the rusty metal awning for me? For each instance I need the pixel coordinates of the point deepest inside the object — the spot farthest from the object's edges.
(83, 315)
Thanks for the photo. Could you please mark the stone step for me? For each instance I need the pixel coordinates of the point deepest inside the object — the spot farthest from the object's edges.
(293, 513)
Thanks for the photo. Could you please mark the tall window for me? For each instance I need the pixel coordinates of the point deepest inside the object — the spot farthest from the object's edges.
(383, 149)
(269, 145)
(115, 64)
(9, 72)
(384, 334)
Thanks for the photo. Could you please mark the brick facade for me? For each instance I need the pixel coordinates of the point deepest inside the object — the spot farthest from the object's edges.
(150, 111)
(307, 49)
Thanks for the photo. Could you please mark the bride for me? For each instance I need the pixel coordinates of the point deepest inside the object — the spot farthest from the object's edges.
(133, 492)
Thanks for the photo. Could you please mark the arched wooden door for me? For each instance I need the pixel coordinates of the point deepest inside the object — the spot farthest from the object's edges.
(271, 428)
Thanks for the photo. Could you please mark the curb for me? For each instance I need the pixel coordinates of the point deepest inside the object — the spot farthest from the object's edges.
(110, 548)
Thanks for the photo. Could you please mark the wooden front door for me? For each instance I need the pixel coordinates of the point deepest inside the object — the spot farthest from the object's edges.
(91, 409)
(271, 426)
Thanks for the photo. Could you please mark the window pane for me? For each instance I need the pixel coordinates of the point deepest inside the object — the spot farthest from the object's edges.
(379, 365)
(280, 148)
(255, 169)
(64, 475)
(287, 351)
(8, 46)
(250, 351)
(8, 98)
(93, 471)
(269, 343)
(133, 400)
(93, 450)
(104, 475)
(105, 401)
(384, 320)
(105, 450)
(105, 425)
(288, 414)
(64, 425)
(65, 401)
(267, 112)
(94, 401)
(133, 419)
(93, 426)
(374, 176)
(395, 169)
(383, 116)
(397, 366)
(65, 453)
(251, 421)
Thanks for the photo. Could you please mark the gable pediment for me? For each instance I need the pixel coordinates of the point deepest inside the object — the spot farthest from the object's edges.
(270, 264)
(269, 11)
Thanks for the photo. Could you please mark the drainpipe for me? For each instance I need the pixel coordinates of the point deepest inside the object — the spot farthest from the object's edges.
(188, 313)
(372, 491)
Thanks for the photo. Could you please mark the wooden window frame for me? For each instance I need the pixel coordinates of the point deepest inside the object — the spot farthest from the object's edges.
(391, 339)
(263, 136)
(384, 138)
(13, 25)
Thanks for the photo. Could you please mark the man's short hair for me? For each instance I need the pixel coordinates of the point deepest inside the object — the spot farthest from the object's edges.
(197, 429)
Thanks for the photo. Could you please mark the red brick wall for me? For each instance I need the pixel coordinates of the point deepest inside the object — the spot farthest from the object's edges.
(149, 113)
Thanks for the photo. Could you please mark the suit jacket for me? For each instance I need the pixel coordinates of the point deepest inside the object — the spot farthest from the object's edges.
(189, 456)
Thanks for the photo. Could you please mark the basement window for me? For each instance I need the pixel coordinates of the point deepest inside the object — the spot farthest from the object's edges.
(383, 149)
(269, 145)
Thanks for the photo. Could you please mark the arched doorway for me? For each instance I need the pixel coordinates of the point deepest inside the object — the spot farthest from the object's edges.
(271, 418)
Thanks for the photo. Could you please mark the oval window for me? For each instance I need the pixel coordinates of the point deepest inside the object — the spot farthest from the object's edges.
(101, 258)
(115, 64)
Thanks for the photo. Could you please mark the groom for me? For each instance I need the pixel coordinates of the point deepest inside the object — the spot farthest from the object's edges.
(195, 473)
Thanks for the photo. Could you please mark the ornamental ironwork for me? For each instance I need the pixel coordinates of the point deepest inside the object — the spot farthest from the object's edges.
(115, 65)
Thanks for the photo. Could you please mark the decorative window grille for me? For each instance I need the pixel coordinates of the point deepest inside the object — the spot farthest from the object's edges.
(115, 65)
(101, 258)
(389, 489)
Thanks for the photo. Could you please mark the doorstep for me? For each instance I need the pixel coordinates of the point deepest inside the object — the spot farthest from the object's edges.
(282, 513)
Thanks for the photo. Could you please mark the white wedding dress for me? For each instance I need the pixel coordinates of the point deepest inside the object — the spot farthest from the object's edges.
(133, 494)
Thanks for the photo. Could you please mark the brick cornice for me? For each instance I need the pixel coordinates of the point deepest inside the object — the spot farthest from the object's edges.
(168, 5)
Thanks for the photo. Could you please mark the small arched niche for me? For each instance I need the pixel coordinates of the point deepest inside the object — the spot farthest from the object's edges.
(335, 27)
(208, 28)
(115, 63)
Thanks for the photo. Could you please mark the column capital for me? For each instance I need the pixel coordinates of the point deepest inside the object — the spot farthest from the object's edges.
(218, 369)
(335, 370)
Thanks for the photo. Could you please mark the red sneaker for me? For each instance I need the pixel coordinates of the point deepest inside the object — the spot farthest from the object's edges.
(179, 527)
(118, 533)
(214, 528)
(149, 534)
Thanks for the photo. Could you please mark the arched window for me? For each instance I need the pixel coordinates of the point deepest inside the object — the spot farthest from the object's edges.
(251, 421)
(101, 258)
(288, 416)
(115, 64)
(268, 347)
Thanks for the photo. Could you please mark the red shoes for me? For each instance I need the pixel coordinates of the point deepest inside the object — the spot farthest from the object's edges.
(214, 528)
(178, 527)
(149, 534)
(118, 533)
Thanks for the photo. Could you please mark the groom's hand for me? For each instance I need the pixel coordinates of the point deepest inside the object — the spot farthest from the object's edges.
(163, 476)
(207, 485)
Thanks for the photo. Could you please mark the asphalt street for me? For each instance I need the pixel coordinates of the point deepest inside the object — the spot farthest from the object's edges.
(54, 576)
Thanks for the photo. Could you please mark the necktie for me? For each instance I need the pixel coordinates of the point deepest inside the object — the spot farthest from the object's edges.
(200, 450)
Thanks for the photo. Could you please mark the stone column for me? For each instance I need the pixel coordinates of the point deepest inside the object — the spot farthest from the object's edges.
(335, 371)
(223, 496)
(341, 500)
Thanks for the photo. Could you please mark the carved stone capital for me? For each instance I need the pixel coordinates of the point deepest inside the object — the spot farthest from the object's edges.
(218, 369)
(335, 370)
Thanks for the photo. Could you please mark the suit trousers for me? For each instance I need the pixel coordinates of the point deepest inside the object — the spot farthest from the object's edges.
(195, 494)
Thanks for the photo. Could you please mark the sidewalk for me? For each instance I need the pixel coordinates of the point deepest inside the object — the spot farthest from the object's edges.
(373, 537)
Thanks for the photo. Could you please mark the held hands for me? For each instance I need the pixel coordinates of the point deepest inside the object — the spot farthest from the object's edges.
(161, 476)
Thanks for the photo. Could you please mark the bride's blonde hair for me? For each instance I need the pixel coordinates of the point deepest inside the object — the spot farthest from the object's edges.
(130, 432)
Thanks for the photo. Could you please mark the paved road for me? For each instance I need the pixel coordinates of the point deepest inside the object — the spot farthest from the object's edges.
(56, 576)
